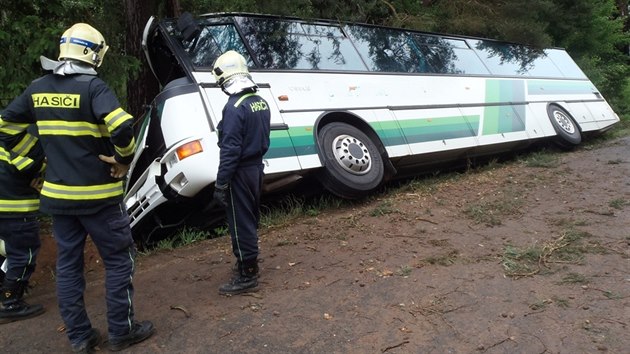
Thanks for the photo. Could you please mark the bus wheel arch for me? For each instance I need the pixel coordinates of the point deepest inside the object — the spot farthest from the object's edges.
(567, 130)
(354, 159)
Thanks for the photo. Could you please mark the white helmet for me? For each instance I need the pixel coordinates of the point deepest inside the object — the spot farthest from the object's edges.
(230, 71)
(84, 43)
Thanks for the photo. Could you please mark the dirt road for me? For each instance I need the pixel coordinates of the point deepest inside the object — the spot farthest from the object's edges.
(529, 256)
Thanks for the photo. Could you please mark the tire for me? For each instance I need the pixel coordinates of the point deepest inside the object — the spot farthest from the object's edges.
(568, 132)
(353, 166)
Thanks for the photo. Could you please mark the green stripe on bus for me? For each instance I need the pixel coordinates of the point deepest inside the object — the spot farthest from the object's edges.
(504, 118)
(439, 128)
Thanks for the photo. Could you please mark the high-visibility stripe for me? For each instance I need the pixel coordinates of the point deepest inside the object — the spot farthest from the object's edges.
(129, 296)
(100, 191)
(116, 118)
(12, 128)
(21, 162)
(28, 263)
(128, 150)
(4, 155)
(60, 127)
(19, 206)
(244, 97)
(25, 145)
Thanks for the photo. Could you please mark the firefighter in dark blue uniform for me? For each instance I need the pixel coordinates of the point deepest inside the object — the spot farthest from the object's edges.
(243, 140)
(88, 141)
(21, 165)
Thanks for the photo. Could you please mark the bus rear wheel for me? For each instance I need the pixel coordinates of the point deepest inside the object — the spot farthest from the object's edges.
(353, 165)
(568, 132)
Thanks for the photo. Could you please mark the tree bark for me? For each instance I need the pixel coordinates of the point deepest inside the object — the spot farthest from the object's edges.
(143, 87)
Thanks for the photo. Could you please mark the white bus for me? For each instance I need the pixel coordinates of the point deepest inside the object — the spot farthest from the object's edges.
(352, 104)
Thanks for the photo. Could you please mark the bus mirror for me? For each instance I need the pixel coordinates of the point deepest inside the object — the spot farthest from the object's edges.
(188, 27)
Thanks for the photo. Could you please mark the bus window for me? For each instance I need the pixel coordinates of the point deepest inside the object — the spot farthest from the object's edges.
(449, 56)
(567, 66)
(510, 59)
(213, 40)
(289, 45)
(387, 50)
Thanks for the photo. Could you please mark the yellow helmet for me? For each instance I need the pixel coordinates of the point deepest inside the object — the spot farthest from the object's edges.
(84, 43)
(228, 65)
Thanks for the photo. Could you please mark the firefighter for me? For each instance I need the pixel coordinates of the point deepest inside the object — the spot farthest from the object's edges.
(20, 166)
(88, 141)
(243, 140)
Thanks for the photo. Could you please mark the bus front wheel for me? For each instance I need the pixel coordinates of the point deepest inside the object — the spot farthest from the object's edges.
(568, 131)
(353, 165)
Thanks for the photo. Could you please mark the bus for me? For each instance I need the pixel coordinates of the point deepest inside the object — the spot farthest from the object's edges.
(351, 104)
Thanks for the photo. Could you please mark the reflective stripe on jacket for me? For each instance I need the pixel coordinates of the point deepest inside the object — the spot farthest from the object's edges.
(78, 118)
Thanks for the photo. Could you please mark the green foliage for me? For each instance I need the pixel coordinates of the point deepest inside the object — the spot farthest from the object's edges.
(30, 29)
(592, 31)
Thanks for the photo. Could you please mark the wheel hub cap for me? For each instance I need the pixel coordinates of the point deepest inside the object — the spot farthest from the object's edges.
(351, 154)
(564, 122)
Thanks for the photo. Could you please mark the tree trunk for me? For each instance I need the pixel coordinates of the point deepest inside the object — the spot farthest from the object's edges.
(173, 8)
(143, 87)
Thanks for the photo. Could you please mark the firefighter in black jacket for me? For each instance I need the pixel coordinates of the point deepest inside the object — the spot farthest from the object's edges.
(20, 168)
(243, 140)
(88, 141)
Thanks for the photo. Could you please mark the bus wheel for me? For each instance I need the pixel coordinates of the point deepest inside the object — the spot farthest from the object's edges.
(352, 163)
(568, 132)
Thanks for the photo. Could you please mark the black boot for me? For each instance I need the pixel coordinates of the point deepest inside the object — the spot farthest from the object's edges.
(13, 308)
(139, 332)
(244, 281)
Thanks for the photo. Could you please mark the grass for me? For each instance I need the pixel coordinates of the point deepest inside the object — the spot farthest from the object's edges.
(183, 237)
(618, 203)
(541, 159)
(291, 207)
(561, 302)
(384, 208)
(569, 248)
(490, 211)
(404, 271)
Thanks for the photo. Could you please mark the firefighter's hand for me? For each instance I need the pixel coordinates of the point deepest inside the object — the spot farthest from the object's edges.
(37, 183)
(221, 195)
(117, 170)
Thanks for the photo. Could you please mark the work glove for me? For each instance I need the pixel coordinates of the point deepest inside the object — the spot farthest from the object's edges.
(221, 194)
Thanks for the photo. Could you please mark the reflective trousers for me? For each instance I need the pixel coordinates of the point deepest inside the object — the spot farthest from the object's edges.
(21, 242)
(111, 234)
(243, 211)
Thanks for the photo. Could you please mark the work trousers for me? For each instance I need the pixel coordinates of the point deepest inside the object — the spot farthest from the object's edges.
(21, 242)
(111, 234)
(243, 211)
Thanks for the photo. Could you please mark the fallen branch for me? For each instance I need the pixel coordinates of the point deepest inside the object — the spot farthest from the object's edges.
(394, 346)
(182, 309)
